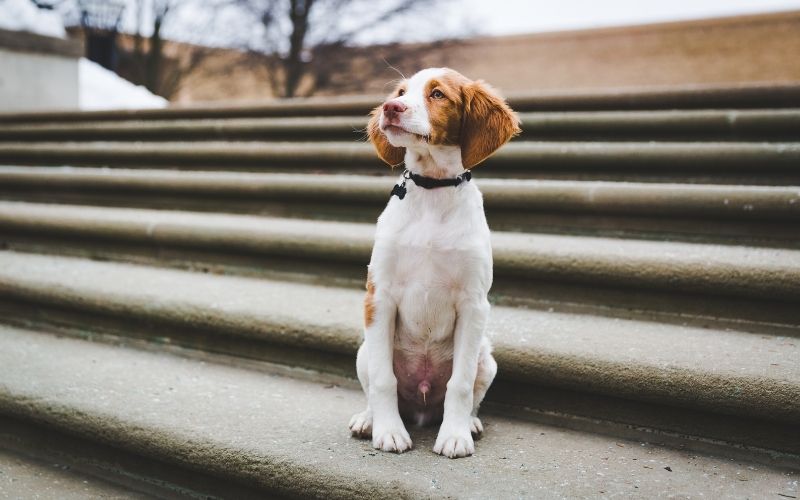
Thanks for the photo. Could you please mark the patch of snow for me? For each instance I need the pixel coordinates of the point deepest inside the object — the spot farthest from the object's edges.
(104, 89)
(23, 15)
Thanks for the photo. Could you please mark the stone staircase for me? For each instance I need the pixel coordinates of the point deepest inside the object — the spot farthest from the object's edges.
(181, 300)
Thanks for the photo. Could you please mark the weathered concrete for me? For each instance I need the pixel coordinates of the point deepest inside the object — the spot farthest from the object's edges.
(773, 125)
(764, 273)
(522, 156)
(723, 371)
(778, 95)
(298, 128)
(23, 477)
(22, 86)
(282, 154)
(32, 43)
(288, 436)
(592, 197)
(687, 344)
(24, 58)
(648, 156)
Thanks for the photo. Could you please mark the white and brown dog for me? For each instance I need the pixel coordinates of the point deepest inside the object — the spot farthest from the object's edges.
(426, 356)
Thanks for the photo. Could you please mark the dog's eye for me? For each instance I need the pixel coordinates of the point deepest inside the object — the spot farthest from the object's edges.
(437, 94)
(401, 92)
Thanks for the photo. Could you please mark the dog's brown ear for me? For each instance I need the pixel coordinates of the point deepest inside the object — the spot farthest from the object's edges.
(388, 153)
(487, 123)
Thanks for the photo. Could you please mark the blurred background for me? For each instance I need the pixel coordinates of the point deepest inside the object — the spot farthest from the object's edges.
(186, 51)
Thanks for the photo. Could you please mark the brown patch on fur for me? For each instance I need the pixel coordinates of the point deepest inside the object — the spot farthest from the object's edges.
(445, 113)
(487, 123)
(369, 304)
(388, 153)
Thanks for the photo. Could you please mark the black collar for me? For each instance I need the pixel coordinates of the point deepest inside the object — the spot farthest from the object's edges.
(428, 182)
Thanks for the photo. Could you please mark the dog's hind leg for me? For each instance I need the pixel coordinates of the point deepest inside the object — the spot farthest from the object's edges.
(487, 369)
(361, 423)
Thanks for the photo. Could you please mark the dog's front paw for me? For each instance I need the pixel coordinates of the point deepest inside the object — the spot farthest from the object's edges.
(476, 427)
(361, 424)
(454, 443)
(394, 438)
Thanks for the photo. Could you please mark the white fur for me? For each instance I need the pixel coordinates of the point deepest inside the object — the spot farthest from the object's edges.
(432, 270)
(415, 120)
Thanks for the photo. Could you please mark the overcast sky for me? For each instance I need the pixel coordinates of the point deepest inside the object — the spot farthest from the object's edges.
(500, 17)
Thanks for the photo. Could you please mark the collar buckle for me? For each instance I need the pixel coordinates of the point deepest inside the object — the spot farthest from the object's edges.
(427, 182)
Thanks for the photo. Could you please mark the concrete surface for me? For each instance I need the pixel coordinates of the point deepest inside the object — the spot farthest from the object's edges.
(665, 124)
(24, 477)
(22, 86)
(301, 128)
(735, 391)
(34, 43)
(759, 95)
(769, 124)
(720, 371)
(722, 270)
(596, 197)
(281, 153)
(25, 57)
(517, 156)
(290, 436)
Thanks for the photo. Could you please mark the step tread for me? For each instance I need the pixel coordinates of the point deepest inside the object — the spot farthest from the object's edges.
(702, 200)
(289, 435)
(513, 149)
(24, 477)
(723, 371)
(522, 156)
(726, 120)
(759, 95)
(218, 124)
(738, 270)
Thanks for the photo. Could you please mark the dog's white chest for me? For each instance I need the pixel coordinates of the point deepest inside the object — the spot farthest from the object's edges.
(426, 283)
(431, 251)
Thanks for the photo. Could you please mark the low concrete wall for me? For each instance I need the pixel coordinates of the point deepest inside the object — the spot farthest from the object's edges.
(38, 72)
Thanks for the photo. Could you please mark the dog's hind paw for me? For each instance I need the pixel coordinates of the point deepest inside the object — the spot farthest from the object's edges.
(361, 424)
(476, 427)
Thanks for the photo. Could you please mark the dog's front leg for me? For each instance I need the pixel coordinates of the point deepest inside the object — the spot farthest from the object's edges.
(455, 438)
(388, 431)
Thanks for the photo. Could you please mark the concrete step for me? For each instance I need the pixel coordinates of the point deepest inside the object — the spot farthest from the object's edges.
(730, 387)
(688, 125)
(24, 477)
(646, 98)
(776, 163)
(690, 280)
(221, 431)
(755, 215)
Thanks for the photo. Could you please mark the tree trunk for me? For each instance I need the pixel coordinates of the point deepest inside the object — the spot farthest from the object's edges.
(293, 65)
(154, 56)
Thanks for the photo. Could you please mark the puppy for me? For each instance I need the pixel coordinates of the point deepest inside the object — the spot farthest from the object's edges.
(426, 357)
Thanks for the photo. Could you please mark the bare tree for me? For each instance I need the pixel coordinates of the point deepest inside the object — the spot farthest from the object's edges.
(304, 37)
(160, 73)
(149, 55)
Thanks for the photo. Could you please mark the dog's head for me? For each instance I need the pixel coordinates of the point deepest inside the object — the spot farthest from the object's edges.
(441, 107)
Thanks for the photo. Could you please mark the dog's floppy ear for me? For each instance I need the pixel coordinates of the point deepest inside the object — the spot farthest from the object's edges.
(388, 153)
(487, 123)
